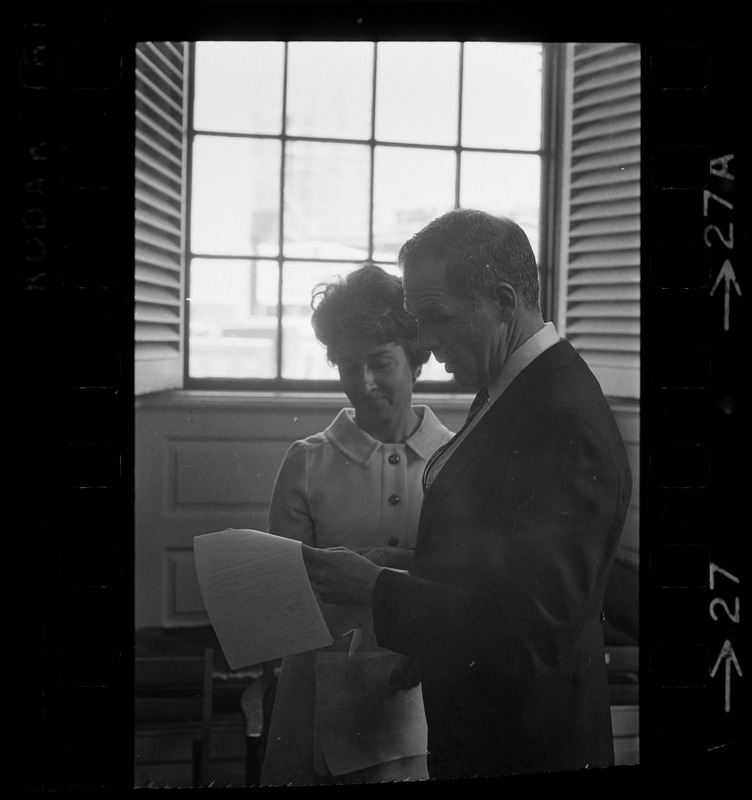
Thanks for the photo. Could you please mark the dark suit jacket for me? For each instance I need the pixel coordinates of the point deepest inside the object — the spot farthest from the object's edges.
(503, 608)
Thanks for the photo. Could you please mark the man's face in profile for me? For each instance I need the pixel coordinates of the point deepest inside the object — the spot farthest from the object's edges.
(462, 335)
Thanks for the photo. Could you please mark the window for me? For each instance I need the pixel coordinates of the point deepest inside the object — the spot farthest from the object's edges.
(307, 159)
(332, 194)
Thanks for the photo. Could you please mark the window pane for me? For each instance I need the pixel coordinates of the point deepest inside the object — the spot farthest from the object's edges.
(411, 187)
(329, 88)
(433, 371)
(417, 92)
(233, 330)
(235, 196)
(501, 95)
(302, 355)
(238, 87)
(504, 184)
(326, 200)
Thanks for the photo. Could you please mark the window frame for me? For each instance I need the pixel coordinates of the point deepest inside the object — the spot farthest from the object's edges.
(549, 168)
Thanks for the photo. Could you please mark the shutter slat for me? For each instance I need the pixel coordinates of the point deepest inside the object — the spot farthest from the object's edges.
(147, 258)
(617, 96)
(155, 295)
(599, 310)
(590, 60)
(604, 169)
(155, 274)
(619, 242)
(154, 60)
(608, 293)
(628, 106)
(606, 226)
(621, 258)
(586, 180)
(598, 193)
(587, 277)
(160, 243)
(607, 326)
(147, 333)
(177, 53)
(603, 126)
(609, 74)
(146, 351)
(153, 132)
(157, 223)
(616, 141)
(147, 166)
(169, 316)
(158, 82)
(150, 201)
(600, 161)
(151, 182)
(173, 156)
(160, 95)
(152, 108)
(610, 208)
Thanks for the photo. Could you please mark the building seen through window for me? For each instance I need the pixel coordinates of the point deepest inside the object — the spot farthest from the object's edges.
(308, 159)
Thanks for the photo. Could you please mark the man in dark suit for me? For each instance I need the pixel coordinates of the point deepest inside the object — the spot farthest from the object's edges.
(520, 523)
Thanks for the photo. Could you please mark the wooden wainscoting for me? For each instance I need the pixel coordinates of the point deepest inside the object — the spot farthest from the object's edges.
(206, 461)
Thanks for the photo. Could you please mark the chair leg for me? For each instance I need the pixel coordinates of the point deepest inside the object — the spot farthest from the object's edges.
(252, 761)
(206, 714)
(196, 764)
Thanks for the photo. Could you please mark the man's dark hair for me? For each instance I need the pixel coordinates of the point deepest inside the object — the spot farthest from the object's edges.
(366, 304)
(479, 250)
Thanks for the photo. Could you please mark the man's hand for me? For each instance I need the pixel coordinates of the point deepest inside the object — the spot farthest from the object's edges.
(341, 576)
(394, 557)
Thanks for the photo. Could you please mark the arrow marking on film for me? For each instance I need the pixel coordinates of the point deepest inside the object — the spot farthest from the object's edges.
(728, 276)
(727, 653)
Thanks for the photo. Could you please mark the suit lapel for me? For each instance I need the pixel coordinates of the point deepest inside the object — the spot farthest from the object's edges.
(503, 412)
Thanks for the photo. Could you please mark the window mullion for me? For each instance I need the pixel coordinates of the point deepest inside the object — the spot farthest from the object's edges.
(458, 170)
(187, 194)
(280, 253)
(372, 166)
(551, 211)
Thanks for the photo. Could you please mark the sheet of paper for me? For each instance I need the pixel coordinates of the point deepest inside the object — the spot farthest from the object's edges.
(360, 720)
(257, 594)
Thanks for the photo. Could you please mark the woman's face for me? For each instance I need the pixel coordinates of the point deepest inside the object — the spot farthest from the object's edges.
(376, 378)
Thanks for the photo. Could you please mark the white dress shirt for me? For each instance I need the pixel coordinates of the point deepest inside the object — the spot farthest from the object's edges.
(520, 358)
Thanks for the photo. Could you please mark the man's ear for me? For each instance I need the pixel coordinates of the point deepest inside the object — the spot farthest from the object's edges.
(506, 300)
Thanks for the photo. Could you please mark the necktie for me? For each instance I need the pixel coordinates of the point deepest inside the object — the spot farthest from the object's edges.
(478, 402)
(481, 398)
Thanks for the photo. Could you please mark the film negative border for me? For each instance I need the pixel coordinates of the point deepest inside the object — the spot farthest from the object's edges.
(73, 307)
(75, 485)
(692, 689)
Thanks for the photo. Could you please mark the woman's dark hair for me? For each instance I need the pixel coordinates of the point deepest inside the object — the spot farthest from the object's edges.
(479, 250)
(366, 304)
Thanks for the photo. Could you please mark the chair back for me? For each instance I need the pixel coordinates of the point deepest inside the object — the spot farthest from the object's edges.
(177, 691)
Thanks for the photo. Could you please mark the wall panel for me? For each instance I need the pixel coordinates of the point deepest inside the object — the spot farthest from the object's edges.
(207, 461)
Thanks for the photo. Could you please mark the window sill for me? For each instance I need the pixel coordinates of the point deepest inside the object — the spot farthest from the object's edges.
(184, 398)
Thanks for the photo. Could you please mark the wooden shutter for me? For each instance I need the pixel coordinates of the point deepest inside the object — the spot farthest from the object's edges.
(599, 295)
(160, 214)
